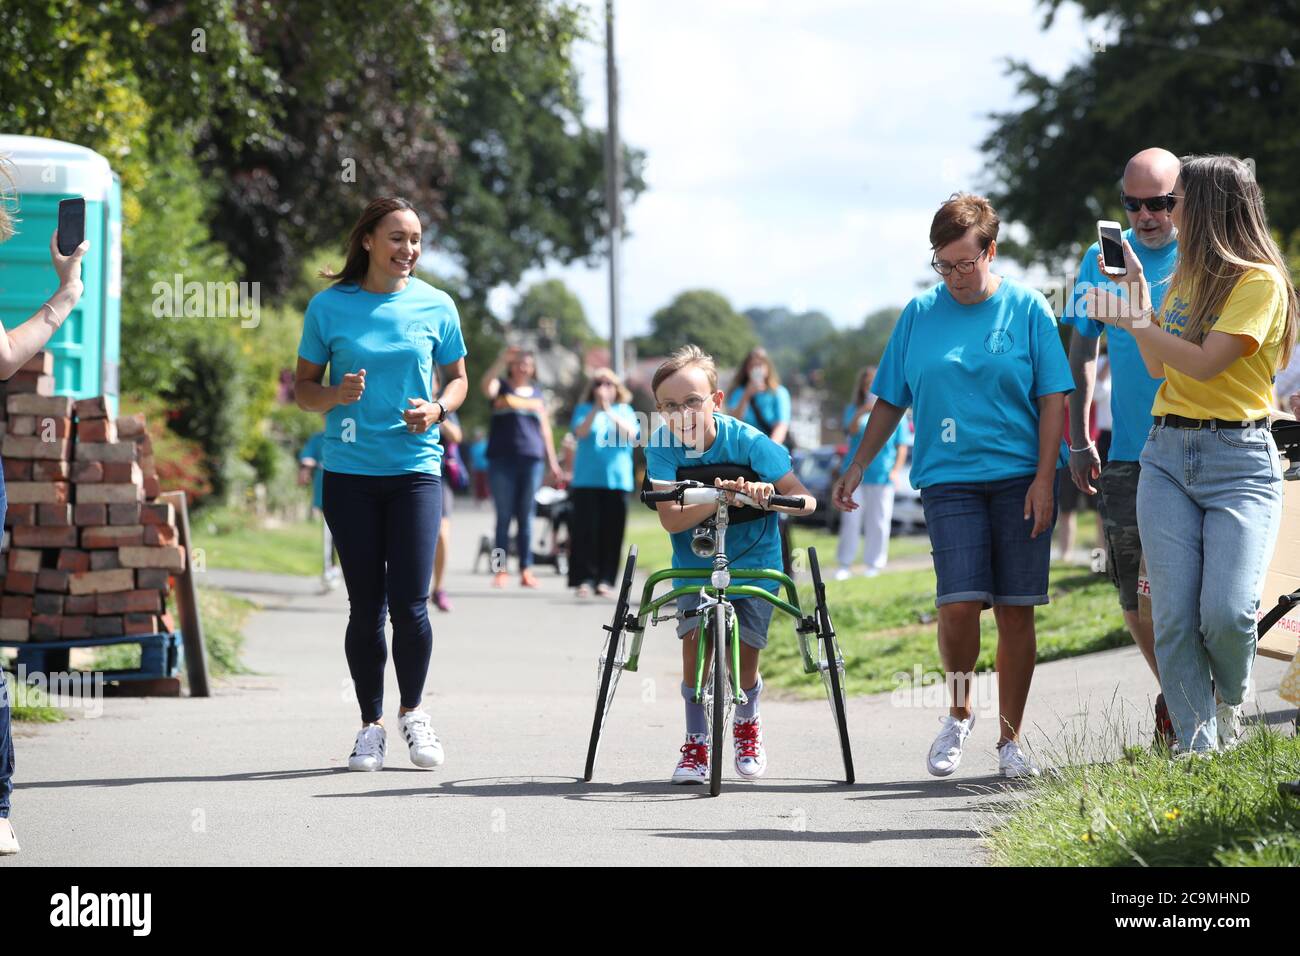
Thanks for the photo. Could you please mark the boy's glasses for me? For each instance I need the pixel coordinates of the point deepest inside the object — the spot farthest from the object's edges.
(1155, 203)
(694, 404)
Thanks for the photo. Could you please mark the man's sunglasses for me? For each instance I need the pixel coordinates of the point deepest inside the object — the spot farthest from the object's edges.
(1163, 203)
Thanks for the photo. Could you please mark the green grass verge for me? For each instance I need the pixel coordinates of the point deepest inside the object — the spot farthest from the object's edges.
(233, 539)
(886, 625)
(1144, 810)
(31, 703)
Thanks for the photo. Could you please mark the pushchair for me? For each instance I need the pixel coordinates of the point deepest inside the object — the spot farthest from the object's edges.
(550, 542)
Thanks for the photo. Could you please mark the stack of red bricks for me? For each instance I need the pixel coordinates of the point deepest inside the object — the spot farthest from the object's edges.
(90, 550)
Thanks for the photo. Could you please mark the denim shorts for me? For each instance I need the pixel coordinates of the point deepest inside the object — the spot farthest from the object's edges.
(981, 546)
(754, 615)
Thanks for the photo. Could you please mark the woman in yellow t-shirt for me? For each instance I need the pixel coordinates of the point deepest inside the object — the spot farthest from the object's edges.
(1210, 495)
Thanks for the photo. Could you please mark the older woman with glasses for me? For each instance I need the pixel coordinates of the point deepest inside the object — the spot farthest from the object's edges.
(979, 360)
(606, 428)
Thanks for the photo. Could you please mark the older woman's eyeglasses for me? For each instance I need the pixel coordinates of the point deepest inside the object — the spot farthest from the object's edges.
(694, 403)
(964, 268)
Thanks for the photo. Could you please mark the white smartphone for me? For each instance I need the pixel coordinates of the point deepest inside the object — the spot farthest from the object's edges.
(1110, 241)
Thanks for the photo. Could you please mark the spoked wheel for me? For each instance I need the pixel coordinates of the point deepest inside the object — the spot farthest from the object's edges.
(611, 662)
(717, 698)
(831, 664)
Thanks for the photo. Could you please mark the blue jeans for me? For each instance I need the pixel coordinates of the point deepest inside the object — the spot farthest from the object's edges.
(981, 544)
(385, 530)
(514, 482)
(1209, 505)
(6, 734)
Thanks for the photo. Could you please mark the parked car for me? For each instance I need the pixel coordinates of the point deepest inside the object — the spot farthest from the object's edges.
(818, 468)
(909, 517)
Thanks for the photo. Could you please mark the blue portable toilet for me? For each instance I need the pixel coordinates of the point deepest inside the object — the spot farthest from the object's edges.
(87, 347)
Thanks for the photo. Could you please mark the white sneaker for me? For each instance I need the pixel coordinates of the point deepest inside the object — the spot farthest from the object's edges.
(751, 755)
(945, 752)
(1014, 763)
(8, 842)
(368, 751)
(694, 765)
(423, 743)
(1228, 725)
(843, 574)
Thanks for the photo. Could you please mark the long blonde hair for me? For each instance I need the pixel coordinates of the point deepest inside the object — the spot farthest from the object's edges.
(6, 184)
(1224, 234)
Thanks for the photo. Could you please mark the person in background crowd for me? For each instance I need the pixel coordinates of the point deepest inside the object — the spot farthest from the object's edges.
(454, 479)
(979, 359)
(1146, 193)
(17, 346)
(519, 447)
(1070, 501)
(758, 398)
(1210, 493)
(311, 469)
(875, 495)
(381, 331)
(606, 428)
(478, 466)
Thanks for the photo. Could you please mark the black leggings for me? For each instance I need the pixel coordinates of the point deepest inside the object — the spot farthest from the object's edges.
(596, 523)
(385, 528)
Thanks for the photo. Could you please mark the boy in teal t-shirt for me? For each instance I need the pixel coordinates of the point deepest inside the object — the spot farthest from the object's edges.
(696, 433)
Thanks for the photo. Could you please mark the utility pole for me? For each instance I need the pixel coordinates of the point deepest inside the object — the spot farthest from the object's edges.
(613, 191)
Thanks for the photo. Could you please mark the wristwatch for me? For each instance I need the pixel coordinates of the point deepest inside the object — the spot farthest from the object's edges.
(442, 411)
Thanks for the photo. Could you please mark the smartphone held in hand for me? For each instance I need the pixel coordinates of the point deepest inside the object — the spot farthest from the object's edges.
(1110, 240)
(72, 225)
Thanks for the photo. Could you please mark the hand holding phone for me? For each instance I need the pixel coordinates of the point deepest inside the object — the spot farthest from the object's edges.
(1110, 240)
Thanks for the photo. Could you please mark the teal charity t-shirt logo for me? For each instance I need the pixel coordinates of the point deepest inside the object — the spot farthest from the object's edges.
(998, 342)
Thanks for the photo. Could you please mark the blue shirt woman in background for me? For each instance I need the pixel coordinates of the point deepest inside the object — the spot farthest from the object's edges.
(979, 359)
(381, 331)
(519, 446)
(758, 398)
(606, 428)
(869, 524)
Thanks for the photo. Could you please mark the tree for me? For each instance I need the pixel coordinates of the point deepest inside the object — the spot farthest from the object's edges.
(706, 319)
(794, 341)
(553, 301)
(1172, 73)
(850, 350)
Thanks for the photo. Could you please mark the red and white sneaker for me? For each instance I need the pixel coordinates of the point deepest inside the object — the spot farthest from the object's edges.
(694, 765)
(751, 755)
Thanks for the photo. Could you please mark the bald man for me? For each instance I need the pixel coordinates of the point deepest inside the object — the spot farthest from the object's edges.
(1146, 196)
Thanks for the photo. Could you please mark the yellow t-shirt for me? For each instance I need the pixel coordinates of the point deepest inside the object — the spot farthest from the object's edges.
(1256, 308)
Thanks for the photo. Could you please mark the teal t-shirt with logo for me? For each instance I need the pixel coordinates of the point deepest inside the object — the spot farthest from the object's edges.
(973, 375)
(397, 338)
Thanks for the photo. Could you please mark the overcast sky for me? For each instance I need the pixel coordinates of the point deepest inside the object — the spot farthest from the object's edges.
(796, 152)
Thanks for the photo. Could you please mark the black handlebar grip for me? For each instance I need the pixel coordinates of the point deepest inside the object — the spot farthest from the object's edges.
(786, 501)
(650, 497)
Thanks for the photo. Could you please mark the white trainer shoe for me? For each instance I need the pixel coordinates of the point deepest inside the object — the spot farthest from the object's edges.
(945, 752)
(751, 755)
(1228, 725)
(1013, 762)
(8, 841)
(423, 743)
(843, 574)
(368, 752)
(694, 765)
